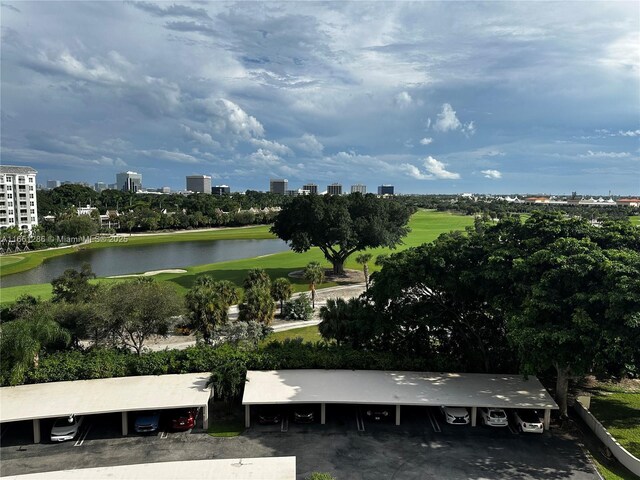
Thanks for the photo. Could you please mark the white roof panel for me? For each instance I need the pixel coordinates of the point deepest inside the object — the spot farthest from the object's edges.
(395, 388)
(269, 468)
(86, 397)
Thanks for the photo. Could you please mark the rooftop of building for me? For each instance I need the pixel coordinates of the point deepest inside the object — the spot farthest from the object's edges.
(15, 169)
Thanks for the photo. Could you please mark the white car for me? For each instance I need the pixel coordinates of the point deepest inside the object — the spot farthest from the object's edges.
(455, 415)
(494, 417)
(66, 428)
(528, 421)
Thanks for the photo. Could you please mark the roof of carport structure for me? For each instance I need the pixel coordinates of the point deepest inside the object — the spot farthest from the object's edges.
(395, 388)
(87, 397)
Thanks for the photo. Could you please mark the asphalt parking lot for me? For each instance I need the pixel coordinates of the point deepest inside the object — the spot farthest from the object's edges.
(423, 447)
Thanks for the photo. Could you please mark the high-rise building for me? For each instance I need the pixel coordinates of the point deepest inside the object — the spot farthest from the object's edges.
(199, 183)
(129, 181)
(334, 189)
(100, 186)
(385, 190)
(312, 188)
(278, 185)
(359, 188)
(51, 184)
(221, 190)
(18, 207)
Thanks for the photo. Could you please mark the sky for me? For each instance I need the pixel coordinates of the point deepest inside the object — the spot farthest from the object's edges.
(514, 97)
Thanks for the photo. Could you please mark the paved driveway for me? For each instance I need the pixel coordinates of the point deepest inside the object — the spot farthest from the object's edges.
(382, 451)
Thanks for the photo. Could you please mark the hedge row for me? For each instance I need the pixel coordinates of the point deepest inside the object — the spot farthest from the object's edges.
(106, 363)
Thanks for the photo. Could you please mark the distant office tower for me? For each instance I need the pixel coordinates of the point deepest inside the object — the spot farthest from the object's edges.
(385, 190)
(164, 189)
(18, 207)
(199, 183)
(359, 188)
(112, 186)
(51, 184)
(129, 181)
(277, 185)
(100, 186)
(221, 190)
(312, 188)
(334, 189)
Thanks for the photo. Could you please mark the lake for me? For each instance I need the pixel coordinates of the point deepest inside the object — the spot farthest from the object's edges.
(106, 262)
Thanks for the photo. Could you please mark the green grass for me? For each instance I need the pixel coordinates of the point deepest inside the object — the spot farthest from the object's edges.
(308, 334)
(635, 220)
(613, 471)
(226, 428)
(426, 226)
(620, 415)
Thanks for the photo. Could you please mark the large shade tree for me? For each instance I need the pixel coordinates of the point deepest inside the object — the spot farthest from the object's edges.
(341, 225)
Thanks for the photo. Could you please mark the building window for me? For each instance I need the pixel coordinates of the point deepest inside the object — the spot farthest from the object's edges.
(9, 195)
(31, 188)
(31, 204)
(33, 219)
(31, 195)
(33, 211)
(30, 179)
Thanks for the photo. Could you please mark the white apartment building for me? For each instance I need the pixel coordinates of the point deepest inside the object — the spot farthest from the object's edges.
(18, 207)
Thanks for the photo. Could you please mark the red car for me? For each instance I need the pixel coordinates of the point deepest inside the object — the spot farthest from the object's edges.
(184, 419)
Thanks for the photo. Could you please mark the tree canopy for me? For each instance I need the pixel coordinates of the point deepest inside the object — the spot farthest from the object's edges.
(341, 225)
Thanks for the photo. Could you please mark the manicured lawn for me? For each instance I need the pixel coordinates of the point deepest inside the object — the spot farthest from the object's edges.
(426, 226)
(308, 334)
(620, 415)
(635, 220)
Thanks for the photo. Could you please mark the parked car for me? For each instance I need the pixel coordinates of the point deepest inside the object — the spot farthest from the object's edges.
(528, 421)
(494, 417)
(184, 419)
(147, 422)
(455, 415)
(66, 428)
(269, 415)
(377, 413)
(303, 414)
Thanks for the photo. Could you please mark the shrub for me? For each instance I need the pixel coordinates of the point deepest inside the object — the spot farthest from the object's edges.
(320, 476)
(298, 309)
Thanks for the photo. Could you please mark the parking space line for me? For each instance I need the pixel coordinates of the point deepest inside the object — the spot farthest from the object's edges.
(164, 434)
(359, 420)
(434, 422)
(512, 430)
(284, 426)
(80, 441)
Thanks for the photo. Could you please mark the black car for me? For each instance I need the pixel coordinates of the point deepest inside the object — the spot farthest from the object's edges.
(377, 413)
(269, 415)
(303, 414)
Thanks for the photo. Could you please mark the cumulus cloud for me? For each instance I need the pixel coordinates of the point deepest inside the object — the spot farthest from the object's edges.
(447, 121)
(263, 158)
(310, 144)
(434, 170)
(426, 141)
(493, 174)
(231, 118)
(590, 154)
(201, 137)
(171, 156)
(403, 99)
(272, 146)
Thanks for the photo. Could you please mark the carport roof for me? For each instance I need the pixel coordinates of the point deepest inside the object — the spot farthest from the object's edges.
(86, 397)
(268, 468)
(395, 388)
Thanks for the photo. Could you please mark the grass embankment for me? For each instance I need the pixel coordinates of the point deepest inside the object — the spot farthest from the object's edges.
(21, 262)
(425, 226)
(619, 413)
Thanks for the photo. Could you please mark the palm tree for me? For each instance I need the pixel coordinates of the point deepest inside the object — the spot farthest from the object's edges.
(205, 309)
(314, 274)
(363, 259)
(22, 341)
(281, 290)
(227, 294)
(332, 324)
(257, 277)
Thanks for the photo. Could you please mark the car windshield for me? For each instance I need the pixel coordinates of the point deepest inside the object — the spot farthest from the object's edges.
(497, 414)
(528, 416)
(64, 422)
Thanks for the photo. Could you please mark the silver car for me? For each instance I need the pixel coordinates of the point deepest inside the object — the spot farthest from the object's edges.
(455, 415)
(494, 417)
(66, 428)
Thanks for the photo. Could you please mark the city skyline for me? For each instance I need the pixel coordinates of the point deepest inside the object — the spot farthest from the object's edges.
(431, 97)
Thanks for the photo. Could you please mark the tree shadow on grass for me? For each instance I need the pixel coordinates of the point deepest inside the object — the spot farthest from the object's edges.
(236, 276)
